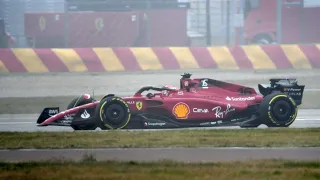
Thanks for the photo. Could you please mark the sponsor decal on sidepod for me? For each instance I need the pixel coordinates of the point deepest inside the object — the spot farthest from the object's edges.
(198, 110)
(240, 98)
(219, 113)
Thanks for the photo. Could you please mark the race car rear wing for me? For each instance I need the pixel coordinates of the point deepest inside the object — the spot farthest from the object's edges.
(288, 86)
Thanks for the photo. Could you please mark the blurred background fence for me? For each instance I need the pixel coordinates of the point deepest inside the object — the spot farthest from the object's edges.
(156, 23)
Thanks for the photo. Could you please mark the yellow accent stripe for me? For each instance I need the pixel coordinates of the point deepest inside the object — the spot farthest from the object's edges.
(258, 58)
(223, 57)
(184, 57)
(77, 101)
(147, 59)
(3, 67)
(296, 57)
(71, 59)
(101, 118)
(109, 59)
(30, 60)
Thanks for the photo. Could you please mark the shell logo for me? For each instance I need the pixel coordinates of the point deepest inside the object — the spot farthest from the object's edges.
(181, 110)
(42, 23)
(99, 24)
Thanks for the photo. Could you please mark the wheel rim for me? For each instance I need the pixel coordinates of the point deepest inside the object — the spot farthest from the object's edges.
(282, 111)
(115, 114)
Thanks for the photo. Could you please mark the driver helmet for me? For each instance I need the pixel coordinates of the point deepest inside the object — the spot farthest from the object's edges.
(185, 83)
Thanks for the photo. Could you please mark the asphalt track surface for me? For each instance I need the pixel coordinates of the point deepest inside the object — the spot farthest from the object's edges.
(156, 154)
(22, 97)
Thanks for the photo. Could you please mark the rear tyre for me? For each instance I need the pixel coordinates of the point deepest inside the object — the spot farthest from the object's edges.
(79, 101)
(113, 112)
(278, 110)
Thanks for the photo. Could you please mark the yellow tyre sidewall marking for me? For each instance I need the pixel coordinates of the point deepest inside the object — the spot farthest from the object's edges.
(293, 116)
(101, 111)
(77, 101)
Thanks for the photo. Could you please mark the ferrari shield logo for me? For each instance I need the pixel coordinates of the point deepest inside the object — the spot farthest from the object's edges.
(42, 23)
(99, 24)
(139, 105)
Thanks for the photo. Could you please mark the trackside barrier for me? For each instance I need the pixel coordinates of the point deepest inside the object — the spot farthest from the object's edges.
(163, 58)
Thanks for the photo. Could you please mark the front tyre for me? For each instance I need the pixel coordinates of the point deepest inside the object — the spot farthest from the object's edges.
(278, 110)
(113, 112)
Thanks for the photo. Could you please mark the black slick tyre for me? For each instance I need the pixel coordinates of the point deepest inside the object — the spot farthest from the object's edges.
(79, 101)
(113, 112)
(278, 110)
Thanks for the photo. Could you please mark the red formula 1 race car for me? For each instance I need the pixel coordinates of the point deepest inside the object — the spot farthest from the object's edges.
(202, 102)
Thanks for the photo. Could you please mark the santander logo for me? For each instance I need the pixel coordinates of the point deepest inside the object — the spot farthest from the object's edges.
(240, 98)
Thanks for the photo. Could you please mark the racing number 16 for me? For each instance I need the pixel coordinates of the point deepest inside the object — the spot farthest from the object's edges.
(204, 83)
